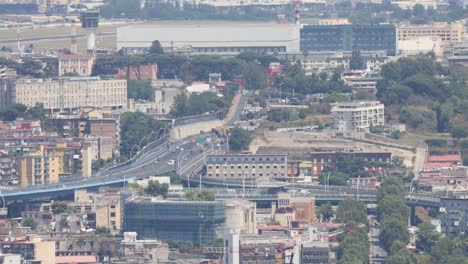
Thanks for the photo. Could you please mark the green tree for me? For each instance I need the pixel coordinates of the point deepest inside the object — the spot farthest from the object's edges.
(357, 62)
(351, 211)
(200, 195)
(254, 76)
(392, 206)
(419, 11)
(336, 178)
(59, 207)
(427, 237)
(29, 222)
(459, 132)
(449, 250)
(154, 188)
(401, 257)
(102, 230)
(139, 89)
(392, 229)
(325, 211)
(391, 186)
(354, 248)
(179, 107)
(121, 9)
(134, 127)
(156, 48)
(239, 139)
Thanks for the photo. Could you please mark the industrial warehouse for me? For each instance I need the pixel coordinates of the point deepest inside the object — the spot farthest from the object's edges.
(224, 38)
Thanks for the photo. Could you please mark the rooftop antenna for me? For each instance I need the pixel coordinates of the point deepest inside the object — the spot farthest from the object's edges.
(73, 48)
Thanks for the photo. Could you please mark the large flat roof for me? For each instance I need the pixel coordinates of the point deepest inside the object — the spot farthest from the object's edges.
(209, 34)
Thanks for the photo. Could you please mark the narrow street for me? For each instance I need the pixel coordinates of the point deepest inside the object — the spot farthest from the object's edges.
(377, 253)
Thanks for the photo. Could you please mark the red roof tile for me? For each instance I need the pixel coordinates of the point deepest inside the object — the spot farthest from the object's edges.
(445, 158)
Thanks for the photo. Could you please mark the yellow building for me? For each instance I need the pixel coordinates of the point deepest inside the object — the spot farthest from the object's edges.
(448, 33)
(51, 162)
(38, 169)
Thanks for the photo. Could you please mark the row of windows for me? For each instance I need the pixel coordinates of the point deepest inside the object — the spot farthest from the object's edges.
(246, 166)
(249, 159)
(247, 174)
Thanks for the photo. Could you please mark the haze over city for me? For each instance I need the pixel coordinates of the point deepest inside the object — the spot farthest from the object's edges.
(234, 132)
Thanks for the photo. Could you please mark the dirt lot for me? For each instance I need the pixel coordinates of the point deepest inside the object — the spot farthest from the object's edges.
(311, 140)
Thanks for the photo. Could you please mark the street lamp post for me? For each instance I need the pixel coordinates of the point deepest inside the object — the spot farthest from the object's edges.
(204, 164)
(411, 188)
(131, 150)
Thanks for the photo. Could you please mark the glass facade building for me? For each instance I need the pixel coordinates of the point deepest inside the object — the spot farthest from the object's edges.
(346, 37)
(189, 221)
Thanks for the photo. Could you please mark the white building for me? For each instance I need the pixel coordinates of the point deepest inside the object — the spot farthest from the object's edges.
(65, 93)
(316, 62)
(357, 115)
(164, 93)
(413, 47)
(222, 38)
(405, 4)
(241, 215)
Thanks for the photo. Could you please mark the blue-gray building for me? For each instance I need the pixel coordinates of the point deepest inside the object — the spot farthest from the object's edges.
(454, 216)
(176, 220)
(346, 37)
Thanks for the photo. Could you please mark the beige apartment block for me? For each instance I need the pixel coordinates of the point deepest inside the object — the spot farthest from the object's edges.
(449, 33)
(106, 204)
(246, 166)
(65, 93)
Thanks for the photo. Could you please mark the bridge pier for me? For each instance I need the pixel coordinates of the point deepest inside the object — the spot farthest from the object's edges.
(412, 216)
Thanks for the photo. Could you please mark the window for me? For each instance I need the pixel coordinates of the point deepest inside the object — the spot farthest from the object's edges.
(112, 214)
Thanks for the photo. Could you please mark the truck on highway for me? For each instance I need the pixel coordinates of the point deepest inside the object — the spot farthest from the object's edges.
(170, 162)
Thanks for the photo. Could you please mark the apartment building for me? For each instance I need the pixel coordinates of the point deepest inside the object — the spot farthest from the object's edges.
(270, 248)
(315, 252)
(310, 166)
(65, 93)
(449, 33)
(38, 169)
(32, 248)
(50, 162)
(75, 64)
(92, 125)
(357, 115)
(106, 205)
(74, 160)
(454, 216)
(328, 61)
(248, 166)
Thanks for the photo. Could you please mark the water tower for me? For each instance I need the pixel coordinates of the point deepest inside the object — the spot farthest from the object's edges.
(90, 22)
